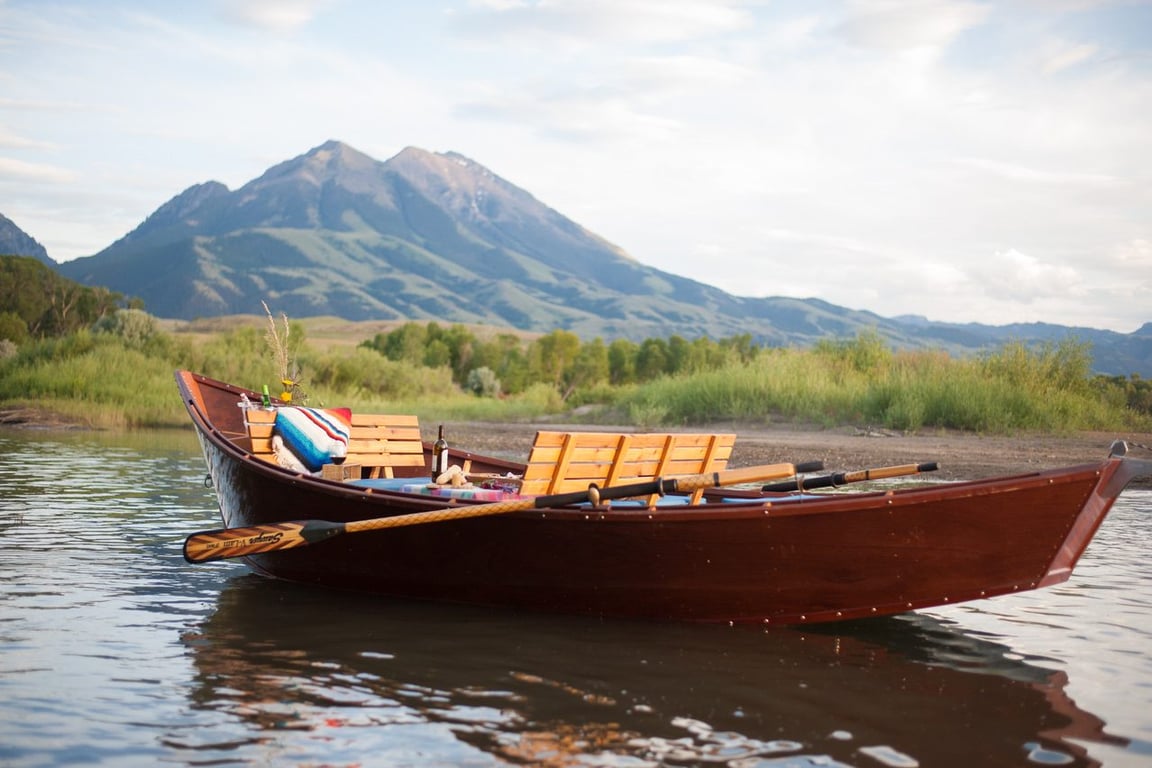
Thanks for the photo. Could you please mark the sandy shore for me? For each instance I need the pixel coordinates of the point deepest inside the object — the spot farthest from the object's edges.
(962, 456)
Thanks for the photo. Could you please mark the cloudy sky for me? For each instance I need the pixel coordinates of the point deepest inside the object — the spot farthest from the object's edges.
(958, 159)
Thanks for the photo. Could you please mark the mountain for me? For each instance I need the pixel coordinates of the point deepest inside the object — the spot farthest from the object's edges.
(421, 236)
(437, 236)
(16, 242)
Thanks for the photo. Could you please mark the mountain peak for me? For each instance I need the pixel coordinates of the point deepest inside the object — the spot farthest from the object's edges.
(180, 212)
(319, 165)
(338, 154)
(16, 242)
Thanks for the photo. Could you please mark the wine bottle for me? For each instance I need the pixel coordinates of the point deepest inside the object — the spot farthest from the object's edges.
(266, 399)
(439, 455)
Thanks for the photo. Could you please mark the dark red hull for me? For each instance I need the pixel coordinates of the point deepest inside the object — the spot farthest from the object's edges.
(838, 557)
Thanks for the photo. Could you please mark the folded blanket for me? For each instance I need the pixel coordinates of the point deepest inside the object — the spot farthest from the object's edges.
(314, 435)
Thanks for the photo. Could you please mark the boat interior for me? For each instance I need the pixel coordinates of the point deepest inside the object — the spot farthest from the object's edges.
(385, 451)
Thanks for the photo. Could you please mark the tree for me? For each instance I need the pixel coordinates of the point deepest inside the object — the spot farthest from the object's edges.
(679, 351)
(505, 355)
(406, 343)
(555, 353)
(589, 368)
(49, 304)
(651, 359)
(622, 362)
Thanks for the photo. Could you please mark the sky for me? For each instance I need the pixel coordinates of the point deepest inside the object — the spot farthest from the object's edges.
(961, 160)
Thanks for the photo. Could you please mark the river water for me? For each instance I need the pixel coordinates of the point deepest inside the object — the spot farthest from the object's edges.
(114, 651)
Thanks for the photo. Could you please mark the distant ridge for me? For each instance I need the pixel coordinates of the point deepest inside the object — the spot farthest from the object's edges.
(437, 236)
(16, 242)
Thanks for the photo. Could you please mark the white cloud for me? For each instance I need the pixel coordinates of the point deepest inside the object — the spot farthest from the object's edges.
(1016, 277)
(14, 141)
(1061, 55)
(276, 15)
(20, 170)
(572, 114)
(903, 25)
(1136, 254)
(593, 22)
(1014, 172)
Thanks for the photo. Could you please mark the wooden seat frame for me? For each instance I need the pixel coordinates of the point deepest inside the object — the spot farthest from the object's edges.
(561, 462)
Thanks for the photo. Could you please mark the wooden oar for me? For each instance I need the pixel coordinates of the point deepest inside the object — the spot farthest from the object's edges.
(841, 478)
(241, 542)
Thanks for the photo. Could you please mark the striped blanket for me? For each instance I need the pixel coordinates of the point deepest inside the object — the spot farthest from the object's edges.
(314, 435)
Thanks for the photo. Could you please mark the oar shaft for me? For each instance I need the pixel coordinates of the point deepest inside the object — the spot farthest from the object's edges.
(843, 478)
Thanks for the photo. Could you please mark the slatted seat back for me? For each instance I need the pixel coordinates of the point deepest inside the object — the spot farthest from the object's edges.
(693, 454)
(382, 444)
(561, 462)
(385, 443)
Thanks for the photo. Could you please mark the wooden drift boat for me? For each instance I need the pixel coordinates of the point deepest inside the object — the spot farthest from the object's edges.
(763, 558)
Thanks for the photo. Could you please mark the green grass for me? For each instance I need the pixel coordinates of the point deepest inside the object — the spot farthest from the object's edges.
(119, 379)
(907, 392)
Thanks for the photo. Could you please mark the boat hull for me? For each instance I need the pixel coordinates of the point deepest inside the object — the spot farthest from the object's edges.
(766, 562)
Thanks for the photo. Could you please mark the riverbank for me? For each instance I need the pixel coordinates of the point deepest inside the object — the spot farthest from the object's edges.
(961, 455)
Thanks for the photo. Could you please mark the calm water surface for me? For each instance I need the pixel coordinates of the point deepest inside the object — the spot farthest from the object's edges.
(114, 651)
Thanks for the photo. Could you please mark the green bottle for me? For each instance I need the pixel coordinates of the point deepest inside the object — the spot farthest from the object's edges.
(266, 399)
(439, 455)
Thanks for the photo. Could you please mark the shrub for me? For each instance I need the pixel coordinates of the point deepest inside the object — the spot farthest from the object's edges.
(482, 381)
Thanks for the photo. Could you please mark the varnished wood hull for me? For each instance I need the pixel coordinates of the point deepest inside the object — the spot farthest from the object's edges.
(838, 557)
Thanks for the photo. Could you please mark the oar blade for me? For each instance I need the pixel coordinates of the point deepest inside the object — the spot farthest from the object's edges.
(227, 543)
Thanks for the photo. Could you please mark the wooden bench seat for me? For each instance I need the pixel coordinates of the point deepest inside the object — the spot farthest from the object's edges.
(561, 462)
(384, 445)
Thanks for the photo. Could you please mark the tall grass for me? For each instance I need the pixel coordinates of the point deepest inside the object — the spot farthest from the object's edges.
(1011, 389)
(101, 380)
(92, 379)
(122, 377)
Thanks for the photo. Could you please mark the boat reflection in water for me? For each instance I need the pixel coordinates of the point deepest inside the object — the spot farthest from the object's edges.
(314, 675)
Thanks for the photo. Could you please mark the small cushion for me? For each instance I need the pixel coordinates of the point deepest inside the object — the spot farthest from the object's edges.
(315, 435)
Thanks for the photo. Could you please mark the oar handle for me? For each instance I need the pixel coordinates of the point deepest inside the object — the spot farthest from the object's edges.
(842, 478)
(737, 476)
(881, 473)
